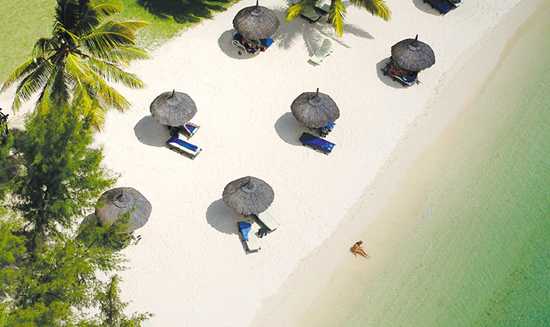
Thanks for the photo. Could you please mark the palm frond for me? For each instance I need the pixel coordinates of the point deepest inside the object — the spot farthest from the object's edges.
(111, 97)
(43, 47)
(106, 8)
(32, 83)
(114, 74)
(124, 55)
(378, 8)
(336, 15)
(88, 107)
(111, 35)
(20, 72)
(294, 11)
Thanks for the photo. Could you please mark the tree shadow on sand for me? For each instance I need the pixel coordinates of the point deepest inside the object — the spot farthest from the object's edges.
(184, 11)
(311, 34)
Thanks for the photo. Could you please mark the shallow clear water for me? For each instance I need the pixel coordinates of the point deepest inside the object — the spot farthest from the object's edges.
(480, 253)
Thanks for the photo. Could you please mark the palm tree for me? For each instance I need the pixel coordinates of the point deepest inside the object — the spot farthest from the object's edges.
(84, 53)
(337, 11)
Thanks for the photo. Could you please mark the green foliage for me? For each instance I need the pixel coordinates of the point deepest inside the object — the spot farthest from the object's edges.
(62, 176)
(113, 237)
(85, 52)
(111, 307)
(6, 168)
(294, 10)
(336, 16)
(49, 276)
(378, 8)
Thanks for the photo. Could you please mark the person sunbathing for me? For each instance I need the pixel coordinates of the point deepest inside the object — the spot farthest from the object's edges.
(357, 249)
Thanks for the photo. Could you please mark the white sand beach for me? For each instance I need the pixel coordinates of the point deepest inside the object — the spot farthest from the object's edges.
(190, 268)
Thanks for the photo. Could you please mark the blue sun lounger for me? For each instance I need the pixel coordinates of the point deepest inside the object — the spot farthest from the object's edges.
(266, 42)
(179, 145)
(324, 131)
(248, 230)
(443, 6)
(189, 129)
(316, 143)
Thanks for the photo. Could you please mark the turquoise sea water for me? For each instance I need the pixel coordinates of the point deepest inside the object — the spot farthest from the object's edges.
(479, 252)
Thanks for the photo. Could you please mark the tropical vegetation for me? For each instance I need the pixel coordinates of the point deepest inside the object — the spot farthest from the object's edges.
(49, 274)
(337, 11)
(86, 51)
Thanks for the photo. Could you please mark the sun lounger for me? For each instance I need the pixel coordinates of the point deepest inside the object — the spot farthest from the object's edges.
(310, 14)
(324, 51)
(443, 6)
(238, 43)
(178, 144)
(404, 78)
(189, 129)
(316, 143)
(323, 6)
(324, 131)
(267, 221)
(266, 43)
(247, 231)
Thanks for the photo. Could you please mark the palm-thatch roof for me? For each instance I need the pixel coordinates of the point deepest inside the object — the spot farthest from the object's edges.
(413, 55)
(121, 201)
(173, 108)
(248, 195)
(256, 22)
(315, 109)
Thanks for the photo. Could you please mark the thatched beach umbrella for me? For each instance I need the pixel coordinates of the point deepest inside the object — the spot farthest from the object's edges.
(115, 203)
(173, 108)
(248, 195)
(413, 55)
(315, 109)
(256, 22)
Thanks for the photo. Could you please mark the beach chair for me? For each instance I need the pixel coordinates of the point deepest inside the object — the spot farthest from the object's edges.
(238, 43)
(267, 222)
(265, 43)
(400, 76)
(179, 145)
(324, 131)
(317, 143)
(323, 7)
(310, 14)
(324, 51)
(189, 129)
(247, 231)
(443, 6)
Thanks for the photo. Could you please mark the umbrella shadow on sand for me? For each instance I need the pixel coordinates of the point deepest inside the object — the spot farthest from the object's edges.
(289, 129)
(420, 4)
(225, 42)
(385, 78)
(149, 132)
(222, 218)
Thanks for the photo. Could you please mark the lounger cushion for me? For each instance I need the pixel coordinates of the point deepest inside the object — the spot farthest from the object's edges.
(179, 144)
(443, 6)
(244, 229)
(266, 42)
(317, 143)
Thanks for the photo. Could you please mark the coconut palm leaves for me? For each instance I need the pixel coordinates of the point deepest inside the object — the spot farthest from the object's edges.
(85, 52)
(337, 11)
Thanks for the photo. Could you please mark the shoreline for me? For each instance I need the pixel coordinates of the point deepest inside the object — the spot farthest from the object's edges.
(476, 68)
